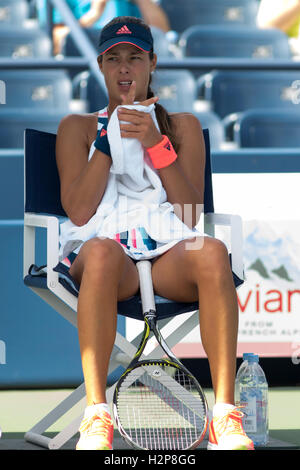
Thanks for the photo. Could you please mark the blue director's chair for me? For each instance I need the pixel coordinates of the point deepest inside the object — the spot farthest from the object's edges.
(54, 284)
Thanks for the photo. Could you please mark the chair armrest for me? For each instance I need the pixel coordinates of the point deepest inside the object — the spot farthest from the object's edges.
(236, 237)
(51, 224)
(78, 90)
(229, 123)
(203, 81)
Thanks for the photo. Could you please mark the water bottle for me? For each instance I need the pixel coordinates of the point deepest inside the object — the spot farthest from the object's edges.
(252, 396)
(243, 365)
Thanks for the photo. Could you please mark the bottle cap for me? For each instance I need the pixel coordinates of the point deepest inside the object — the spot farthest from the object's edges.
(253, 358)
(247, 355)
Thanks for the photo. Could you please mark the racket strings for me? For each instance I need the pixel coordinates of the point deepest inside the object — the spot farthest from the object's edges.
(160, 407)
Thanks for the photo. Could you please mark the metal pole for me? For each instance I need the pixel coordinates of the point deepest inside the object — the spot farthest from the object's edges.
(83, 43)
(49, 21)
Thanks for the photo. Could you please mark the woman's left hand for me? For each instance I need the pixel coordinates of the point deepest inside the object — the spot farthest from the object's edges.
(138, 125)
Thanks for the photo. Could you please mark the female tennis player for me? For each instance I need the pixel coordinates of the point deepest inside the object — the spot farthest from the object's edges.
(105, 272)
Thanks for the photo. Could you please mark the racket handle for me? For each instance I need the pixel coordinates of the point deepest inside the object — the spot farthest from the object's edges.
(146, 285)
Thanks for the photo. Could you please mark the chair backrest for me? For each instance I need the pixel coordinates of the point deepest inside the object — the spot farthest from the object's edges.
(13, 122)
(42, 186)
(161, 43)
(238, 42)
(191, 12)
(209, 120)
(13, 12)
(235, 91)
(176, 89)
(69, 48)
(24, 43)
(87, 88)
(48, 89)
(268, 128)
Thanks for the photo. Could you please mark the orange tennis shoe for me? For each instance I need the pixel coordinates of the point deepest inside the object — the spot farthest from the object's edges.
(96, 432)
(226, 432)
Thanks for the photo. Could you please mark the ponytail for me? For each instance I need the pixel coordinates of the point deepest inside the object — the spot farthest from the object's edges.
(164, 120)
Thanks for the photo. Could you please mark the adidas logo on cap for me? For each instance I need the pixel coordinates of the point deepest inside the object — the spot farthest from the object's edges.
(124, 30)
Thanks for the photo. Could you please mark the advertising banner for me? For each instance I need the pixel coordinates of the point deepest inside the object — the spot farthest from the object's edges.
(269, 300)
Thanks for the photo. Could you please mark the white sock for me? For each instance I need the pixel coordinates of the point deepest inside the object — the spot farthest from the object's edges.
(220, 409)
(92, 409)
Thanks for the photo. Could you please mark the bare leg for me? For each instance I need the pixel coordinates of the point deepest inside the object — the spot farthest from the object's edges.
(205, 274)
(106, 275)
(219, 326)
(58, 35)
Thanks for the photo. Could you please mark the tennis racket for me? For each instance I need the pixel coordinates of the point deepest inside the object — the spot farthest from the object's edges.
(157, 403)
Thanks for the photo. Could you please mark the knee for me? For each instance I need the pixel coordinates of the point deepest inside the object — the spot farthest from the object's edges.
(215, 249)
(213, 260)
(102, 255)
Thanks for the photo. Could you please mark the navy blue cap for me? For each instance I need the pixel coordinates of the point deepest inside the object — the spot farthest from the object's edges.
(125, 33)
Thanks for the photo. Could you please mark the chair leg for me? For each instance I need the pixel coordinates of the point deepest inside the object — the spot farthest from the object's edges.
(35, 435)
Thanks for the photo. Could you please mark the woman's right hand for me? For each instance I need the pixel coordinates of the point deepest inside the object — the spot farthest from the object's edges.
(139, 125)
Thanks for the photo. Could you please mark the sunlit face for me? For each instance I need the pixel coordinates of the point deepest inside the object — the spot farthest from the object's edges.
(121, 65)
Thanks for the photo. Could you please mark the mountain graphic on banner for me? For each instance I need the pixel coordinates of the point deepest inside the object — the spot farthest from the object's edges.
(282, 272)
(271, 253)
(259, 266)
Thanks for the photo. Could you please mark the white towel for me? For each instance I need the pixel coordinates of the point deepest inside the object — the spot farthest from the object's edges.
(134, 206)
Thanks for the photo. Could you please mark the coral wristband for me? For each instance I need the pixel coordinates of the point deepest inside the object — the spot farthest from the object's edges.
(162, 154)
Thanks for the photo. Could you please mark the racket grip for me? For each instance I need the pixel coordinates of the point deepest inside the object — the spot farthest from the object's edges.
(146, 285)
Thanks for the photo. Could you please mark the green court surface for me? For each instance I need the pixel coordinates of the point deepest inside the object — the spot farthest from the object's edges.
(20, 410)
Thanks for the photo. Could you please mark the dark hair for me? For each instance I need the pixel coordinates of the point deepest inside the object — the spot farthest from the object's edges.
(162, 115)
